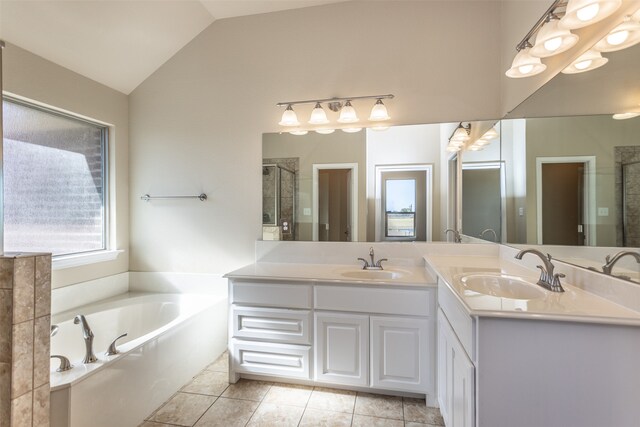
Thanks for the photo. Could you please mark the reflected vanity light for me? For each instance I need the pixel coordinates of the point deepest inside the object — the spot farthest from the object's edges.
(347, 114)
(351, 130)
(621, 37)
(325, 131)
(625, 116)
(590, 60)
(298, 132)
(580, 13)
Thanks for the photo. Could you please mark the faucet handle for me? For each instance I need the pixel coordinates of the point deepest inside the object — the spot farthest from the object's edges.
(112, 350)
(379, 263)
(65, 365)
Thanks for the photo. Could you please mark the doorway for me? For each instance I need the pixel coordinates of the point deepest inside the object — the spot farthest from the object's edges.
(565, 201)
(483, 200)
(403, 203)
(335, 202)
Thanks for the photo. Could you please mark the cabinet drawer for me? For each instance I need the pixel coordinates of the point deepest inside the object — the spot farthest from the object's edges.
(285, 360)
(270, 294)
(272, 324)
(410, 302)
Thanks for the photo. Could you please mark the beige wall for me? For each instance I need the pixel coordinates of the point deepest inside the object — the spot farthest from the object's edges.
(34, 78)
(313, 148)
(196, 123)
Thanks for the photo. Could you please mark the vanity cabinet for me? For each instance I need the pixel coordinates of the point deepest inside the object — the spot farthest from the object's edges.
(364, 336)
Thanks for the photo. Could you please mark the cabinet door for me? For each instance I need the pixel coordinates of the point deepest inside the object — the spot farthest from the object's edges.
(400, 353)
(341, 348)
(456, 378)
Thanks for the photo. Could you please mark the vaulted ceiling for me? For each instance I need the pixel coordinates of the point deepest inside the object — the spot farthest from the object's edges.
(120, 43)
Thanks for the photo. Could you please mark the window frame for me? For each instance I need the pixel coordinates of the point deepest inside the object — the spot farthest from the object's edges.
(106, 253)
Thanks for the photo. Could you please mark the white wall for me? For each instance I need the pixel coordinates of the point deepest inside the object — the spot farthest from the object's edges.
(34, 78)
(196, 123)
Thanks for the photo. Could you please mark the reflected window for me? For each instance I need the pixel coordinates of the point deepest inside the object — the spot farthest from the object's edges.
(54, 181)
(400, 208)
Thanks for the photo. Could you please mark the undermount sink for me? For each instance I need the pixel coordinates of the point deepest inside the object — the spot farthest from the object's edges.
(374, 274)
(501, 286)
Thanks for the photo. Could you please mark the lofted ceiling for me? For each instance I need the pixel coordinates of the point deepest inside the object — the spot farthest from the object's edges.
(119, 43)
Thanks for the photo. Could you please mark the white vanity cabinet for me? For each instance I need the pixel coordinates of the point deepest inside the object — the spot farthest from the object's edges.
(359, 335)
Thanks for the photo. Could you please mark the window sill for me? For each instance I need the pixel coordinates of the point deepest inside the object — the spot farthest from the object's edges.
(76, 260)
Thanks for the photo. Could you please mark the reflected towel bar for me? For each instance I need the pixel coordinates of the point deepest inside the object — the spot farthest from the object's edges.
(202, 197)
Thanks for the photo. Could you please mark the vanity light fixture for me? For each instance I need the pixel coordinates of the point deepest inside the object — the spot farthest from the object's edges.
(553, 39)
(347, 114)
(318, 116)
(590, 60)
(525, 64)
(621, 37)
(625, 116)
(289, 117)
(580, 13)
(461, 133)
(490, 134)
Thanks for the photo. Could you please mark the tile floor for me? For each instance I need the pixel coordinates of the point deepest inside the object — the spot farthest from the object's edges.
(209, 400)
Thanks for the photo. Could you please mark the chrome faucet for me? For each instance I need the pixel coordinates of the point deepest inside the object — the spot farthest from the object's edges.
(608, 267)
(548, 279)
(490, 230)
(87, 333)
(373, 265)
(456, 235)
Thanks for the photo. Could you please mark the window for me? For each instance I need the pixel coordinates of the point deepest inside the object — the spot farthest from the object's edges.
(400, 208)
(54, 181)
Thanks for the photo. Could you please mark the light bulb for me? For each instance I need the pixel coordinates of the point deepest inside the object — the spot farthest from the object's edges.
(289, 117)
(325, 131)
(298, 132)
(587, 13)
(490, 134)
(351, 130)
(583, 64)
(379, 112)
(553, 44)
(525, 69)
(618, 37)
(348, 114)
(318, 116)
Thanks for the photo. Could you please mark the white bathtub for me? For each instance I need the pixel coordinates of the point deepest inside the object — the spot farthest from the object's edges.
(171, 338)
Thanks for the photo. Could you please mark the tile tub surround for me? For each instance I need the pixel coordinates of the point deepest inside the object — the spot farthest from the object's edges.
(25, 319)
(209, 400)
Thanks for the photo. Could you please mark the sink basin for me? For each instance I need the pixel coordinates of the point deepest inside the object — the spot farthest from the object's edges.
(373, 274)
(501, 286)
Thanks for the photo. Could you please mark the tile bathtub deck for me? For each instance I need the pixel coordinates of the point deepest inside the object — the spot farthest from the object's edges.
(209, 400)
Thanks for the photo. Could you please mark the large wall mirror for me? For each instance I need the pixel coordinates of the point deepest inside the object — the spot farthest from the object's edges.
(371, 185)
(572, 171)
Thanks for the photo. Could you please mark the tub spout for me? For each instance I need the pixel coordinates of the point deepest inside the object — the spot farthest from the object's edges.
(87, 333)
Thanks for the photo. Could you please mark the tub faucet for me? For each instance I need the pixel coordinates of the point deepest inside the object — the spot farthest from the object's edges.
(456, 235)
(87, 333)
(608, 267)
(492, 231)
(373, 265)
(547, 279)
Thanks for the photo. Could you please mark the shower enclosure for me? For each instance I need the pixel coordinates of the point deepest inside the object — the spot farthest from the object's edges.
(278, 198)
(628, 196)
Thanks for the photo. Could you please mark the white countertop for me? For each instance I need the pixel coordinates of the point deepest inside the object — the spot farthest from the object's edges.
(574, 304)
(411, 275)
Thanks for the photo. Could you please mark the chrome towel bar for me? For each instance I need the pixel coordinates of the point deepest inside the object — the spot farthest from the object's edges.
(202, 197)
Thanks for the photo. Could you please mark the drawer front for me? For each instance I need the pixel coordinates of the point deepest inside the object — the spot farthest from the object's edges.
(284, 360)
(270, 294)
(410, 302)
(272, 324)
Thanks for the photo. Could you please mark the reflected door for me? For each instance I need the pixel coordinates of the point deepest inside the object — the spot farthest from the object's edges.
(481, 202)
(334, 205)
(563, 204)
(404, 205)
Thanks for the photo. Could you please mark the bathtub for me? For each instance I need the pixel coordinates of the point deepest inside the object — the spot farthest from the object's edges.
(171, 337)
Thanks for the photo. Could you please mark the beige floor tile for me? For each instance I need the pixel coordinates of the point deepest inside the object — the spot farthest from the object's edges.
(269, 415)
(152, 424)
(367, 421)
(208, 382)
(221, 364)
(413, 424)
(318, 418)
(416, 410)
(183, 409)
(332, 400)
(377, 405)
(246, 389)
(228, 413)
(288, 394)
